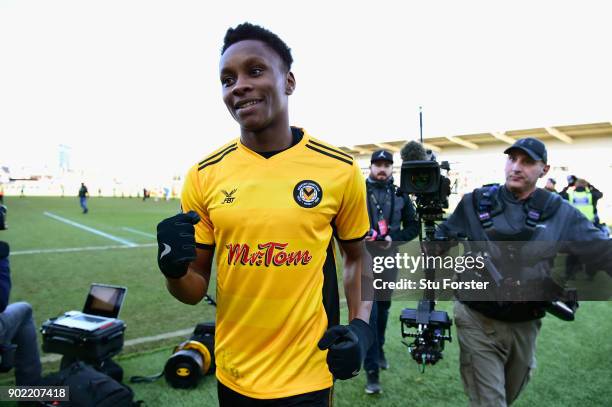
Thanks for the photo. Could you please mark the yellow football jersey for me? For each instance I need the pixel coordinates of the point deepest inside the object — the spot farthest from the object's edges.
(271, 222)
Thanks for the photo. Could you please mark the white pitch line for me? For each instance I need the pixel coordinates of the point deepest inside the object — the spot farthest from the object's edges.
(50, 358)
(91, 230)
(79, 249)
(138, 232)
(138, 341)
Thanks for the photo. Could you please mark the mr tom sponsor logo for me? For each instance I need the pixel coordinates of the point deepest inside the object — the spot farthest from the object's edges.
(271, 253)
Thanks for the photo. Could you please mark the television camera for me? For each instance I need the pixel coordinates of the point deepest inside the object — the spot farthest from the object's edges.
(421, 176)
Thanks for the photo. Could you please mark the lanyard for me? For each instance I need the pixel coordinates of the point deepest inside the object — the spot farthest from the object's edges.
(380, 210)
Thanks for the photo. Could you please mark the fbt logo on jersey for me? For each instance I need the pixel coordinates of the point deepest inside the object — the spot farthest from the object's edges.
(270, 253)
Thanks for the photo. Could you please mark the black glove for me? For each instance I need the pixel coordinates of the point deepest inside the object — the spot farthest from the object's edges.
(4, 250)
(176, 244)
(347, 346)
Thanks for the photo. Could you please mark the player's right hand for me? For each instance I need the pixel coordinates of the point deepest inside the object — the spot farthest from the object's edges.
(176, 244)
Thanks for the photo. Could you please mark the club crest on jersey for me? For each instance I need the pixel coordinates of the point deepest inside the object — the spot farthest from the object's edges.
(229, 196)
(307, 193)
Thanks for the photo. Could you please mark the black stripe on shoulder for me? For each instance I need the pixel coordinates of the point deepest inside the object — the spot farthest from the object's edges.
(329, 155)
(351, 240)
(201, 167)
(331, 149)
(335, 233)
(205, 246)
(219, 153)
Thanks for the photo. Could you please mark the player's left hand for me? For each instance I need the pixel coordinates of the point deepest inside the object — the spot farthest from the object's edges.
(346, 347)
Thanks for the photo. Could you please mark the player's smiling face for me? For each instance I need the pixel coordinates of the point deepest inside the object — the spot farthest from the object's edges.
(255, 83)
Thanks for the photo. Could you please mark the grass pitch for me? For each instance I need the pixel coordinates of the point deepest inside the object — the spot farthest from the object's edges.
(574, 362)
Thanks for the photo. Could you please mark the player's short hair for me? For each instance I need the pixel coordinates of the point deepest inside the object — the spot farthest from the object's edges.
(248, 31)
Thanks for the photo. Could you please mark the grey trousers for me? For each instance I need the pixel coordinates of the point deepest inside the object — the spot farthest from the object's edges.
(17, 326)
(496, 358)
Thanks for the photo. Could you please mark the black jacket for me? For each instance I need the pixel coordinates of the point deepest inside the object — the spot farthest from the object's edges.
(567, 227)
(5, 276)
(397, 210)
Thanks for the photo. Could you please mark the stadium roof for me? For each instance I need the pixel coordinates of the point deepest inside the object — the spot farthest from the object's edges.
(566, 134)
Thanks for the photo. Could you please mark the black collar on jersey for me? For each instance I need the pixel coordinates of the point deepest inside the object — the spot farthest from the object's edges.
(297, 134)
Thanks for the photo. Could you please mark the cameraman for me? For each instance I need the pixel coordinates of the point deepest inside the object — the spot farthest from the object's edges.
(17, 328)
(497, 339)
(392, 219)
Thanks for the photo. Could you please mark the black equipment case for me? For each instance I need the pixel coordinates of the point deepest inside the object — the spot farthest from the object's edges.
(97, 345)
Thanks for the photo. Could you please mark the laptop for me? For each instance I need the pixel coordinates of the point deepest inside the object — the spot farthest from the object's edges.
(101, 308)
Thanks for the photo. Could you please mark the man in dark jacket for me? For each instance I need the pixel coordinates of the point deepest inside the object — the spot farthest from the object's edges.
(17, 328)
(83, 195)
(497, 339)
(392, 219)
